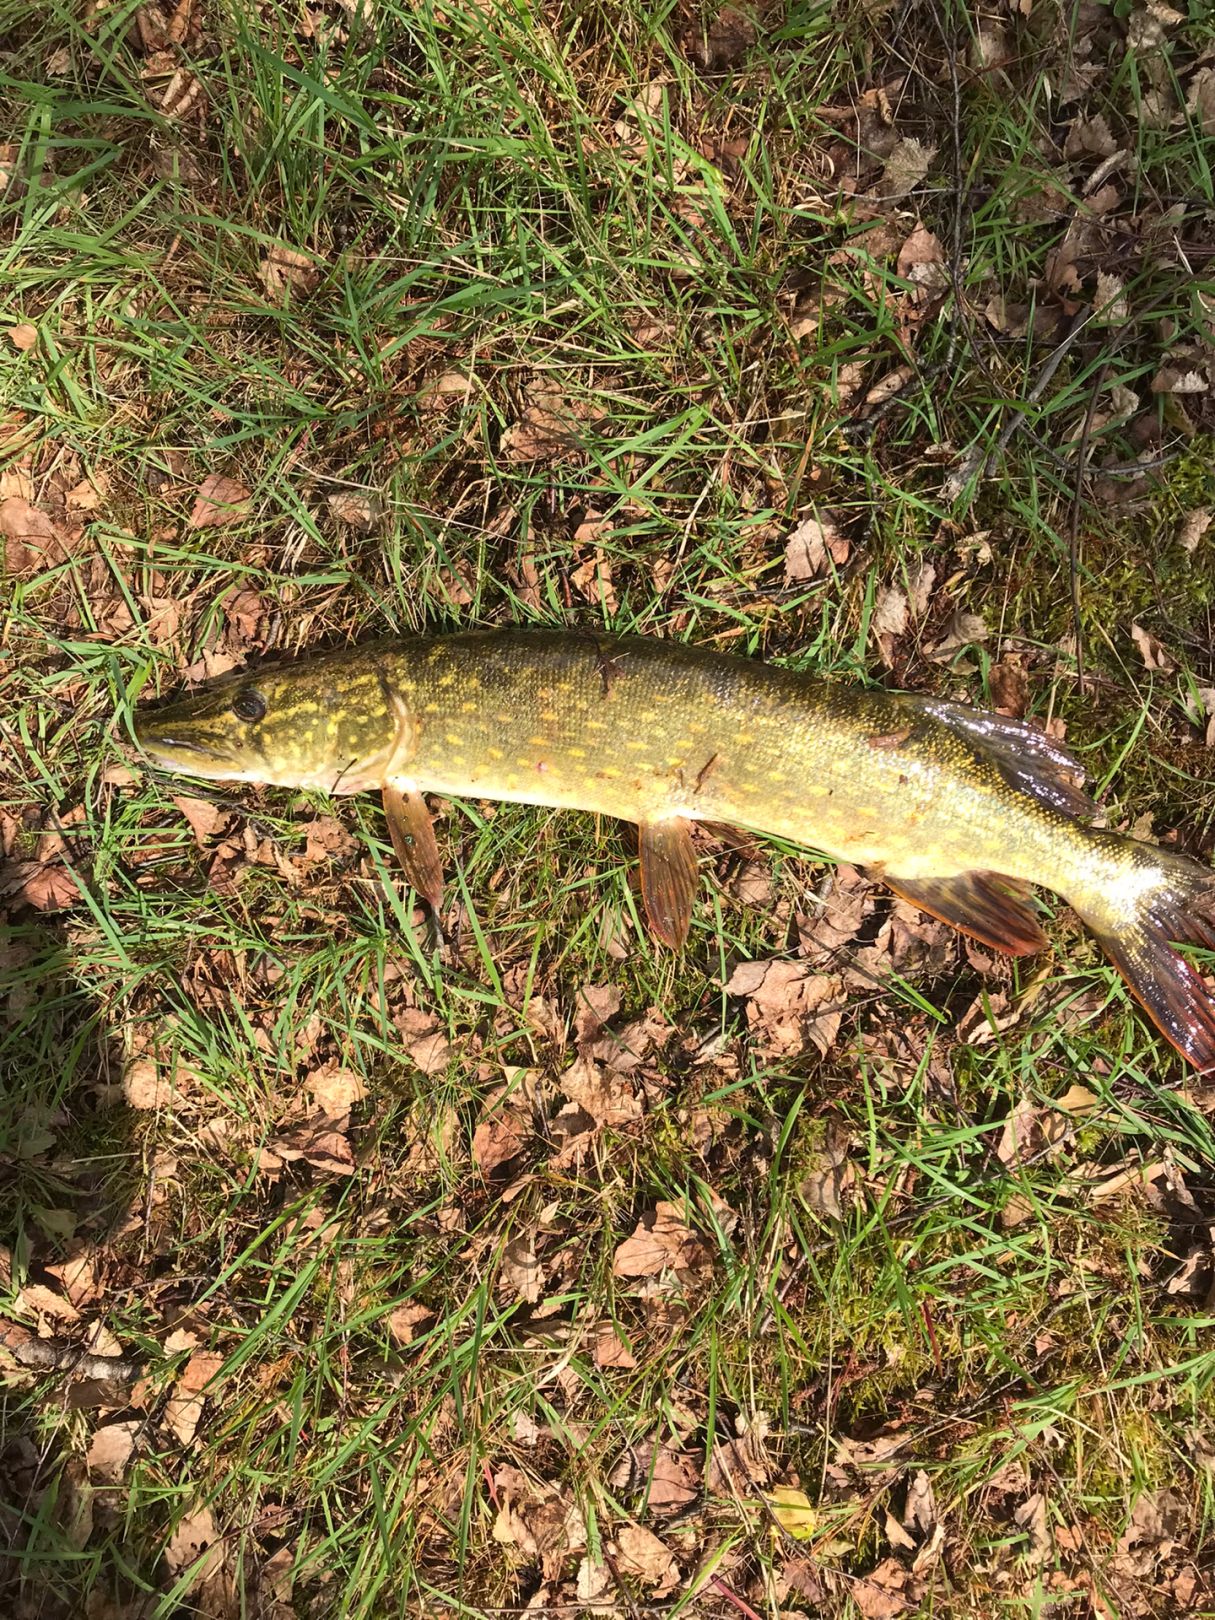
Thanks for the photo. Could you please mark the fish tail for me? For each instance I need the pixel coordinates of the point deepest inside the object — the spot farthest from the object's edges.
(1145, 903)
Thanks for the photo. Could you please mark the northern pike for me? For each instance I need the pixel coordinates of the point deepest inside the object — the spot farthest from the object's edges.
(957, 810)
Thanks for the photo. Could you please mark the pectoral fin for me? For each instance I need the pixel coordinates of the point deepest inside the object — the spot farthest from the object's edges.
(413, 838)
(989, 907)
(668, 878)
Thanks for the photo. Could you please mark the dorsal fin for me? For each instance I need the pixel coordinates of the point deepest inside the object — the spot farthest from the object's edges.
(1025, 757)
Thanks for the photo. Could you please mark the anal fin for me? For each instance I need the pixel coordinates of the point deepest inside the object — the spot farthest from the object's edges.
(413, 838)
(668, 878)
(989, 907)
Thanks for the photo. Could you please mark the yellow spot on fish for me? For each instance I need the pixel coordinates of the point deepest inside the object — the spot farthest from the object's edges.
(512, 784)
(430, 708)
(648, 714)
(635, 744)
(596, 725)
(548, 714)
(744, 737)
(682, 742)
(538, 742)
(468, 708)
(576, 753)
(502, 718)
(495, 753)
(453, 738)
(449, 679)
(523, 760)
(608, 771)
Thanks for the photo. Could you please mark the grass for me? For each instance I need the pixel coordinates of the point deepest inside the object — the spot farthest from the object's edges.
(511, 199)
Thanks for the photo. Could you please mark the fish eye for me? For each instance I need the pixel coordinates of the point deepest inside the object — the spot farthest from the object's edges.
(248, 704)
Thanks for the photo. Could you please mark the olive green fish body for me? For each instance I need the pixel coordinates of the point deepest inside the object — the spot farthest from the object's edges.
(958, 810)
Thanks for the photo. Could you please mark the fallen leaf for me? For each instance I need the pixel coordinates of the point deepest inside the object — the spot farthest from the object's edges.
(965, 630)
(195, 1546)
(661, 1241)
(45, 885)
(284, 270)
(207, 820)
(906, 166)
(423, 1040)
(184, 1408)
(335, 1090)
(610, 1349)
(884, 1593)
(793, 1511)
(328, 840)
(145, 1086)
(521, 1271)
(1156, 656)
(606, 1095)
(1031, 1517)
(722, 44)
(920, 1509)
(548, 428)
(641, 1553)
(405, 1320)
(500, 1136)
(318, 1144)
(593, 582)
(1196, 523)
(218, 501)
(110, 1451)
(672, 1479)
(889, 620)
(23, 336)
(357, 510)
(812, 549)
(32, 540)
(1009, 683)
(595, 1006)
(789, 1005)
(1157, 1518)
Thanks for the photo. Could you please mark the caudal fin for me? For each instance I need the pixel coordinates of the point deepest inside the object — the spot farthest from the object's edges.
(1154, 901)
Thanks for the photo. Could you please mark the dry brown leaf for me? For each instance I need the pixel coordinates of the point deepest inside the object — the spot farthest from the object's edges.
(965, 630)
(605, 1094)
(184, 1408)
(887, 1592)
(725, 41)
(500, 1136)
(31, 540)
(207, 820)
(548, 428)
(1156, 656)
(1196, 523)
(789, 1005)
(356, 509)
(1030, 1516)
(906, 166)
(110, 1451)
(673, 1479)
(23, 336)
(661, 1241)
(45, 885)
(405, 1321)
(44, 1301)
(1009, 682)
(889, 620)
(195, 1545)
(218, 501)
(610, 1349)
(642, 1554)
(920, 1510)
(317, 1143)
(146, 1086)
(335, 1090)
(593, 582)
(812, 549)
(521, 1270)
(284, 271)
(423, 1040)
(595, 1006)
(328, 840)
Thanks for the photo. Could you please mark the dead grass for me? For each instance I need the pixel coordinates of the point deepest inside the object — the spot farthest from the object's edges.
(542, 1278)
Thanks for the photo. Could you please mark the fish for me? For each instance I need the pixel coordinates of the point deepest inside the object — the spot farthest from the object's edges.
(959, 811)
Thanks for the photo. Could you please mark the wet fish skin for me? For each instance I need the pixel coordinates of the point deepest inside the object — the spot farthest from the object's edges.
(958, 810)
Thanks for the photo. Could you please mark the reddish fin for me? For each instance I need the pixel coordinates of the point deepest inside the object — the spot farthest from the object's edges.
(668, 878)
(1180, 908)
(992, 908)
(413, 838)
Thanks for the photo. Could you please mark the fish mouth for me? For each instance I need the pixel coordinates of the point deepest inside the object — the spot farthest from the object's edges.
(174, 752)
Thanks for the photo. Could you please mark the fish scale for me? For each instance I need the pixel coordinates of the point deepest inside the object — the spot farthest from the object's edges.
(957, 810)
